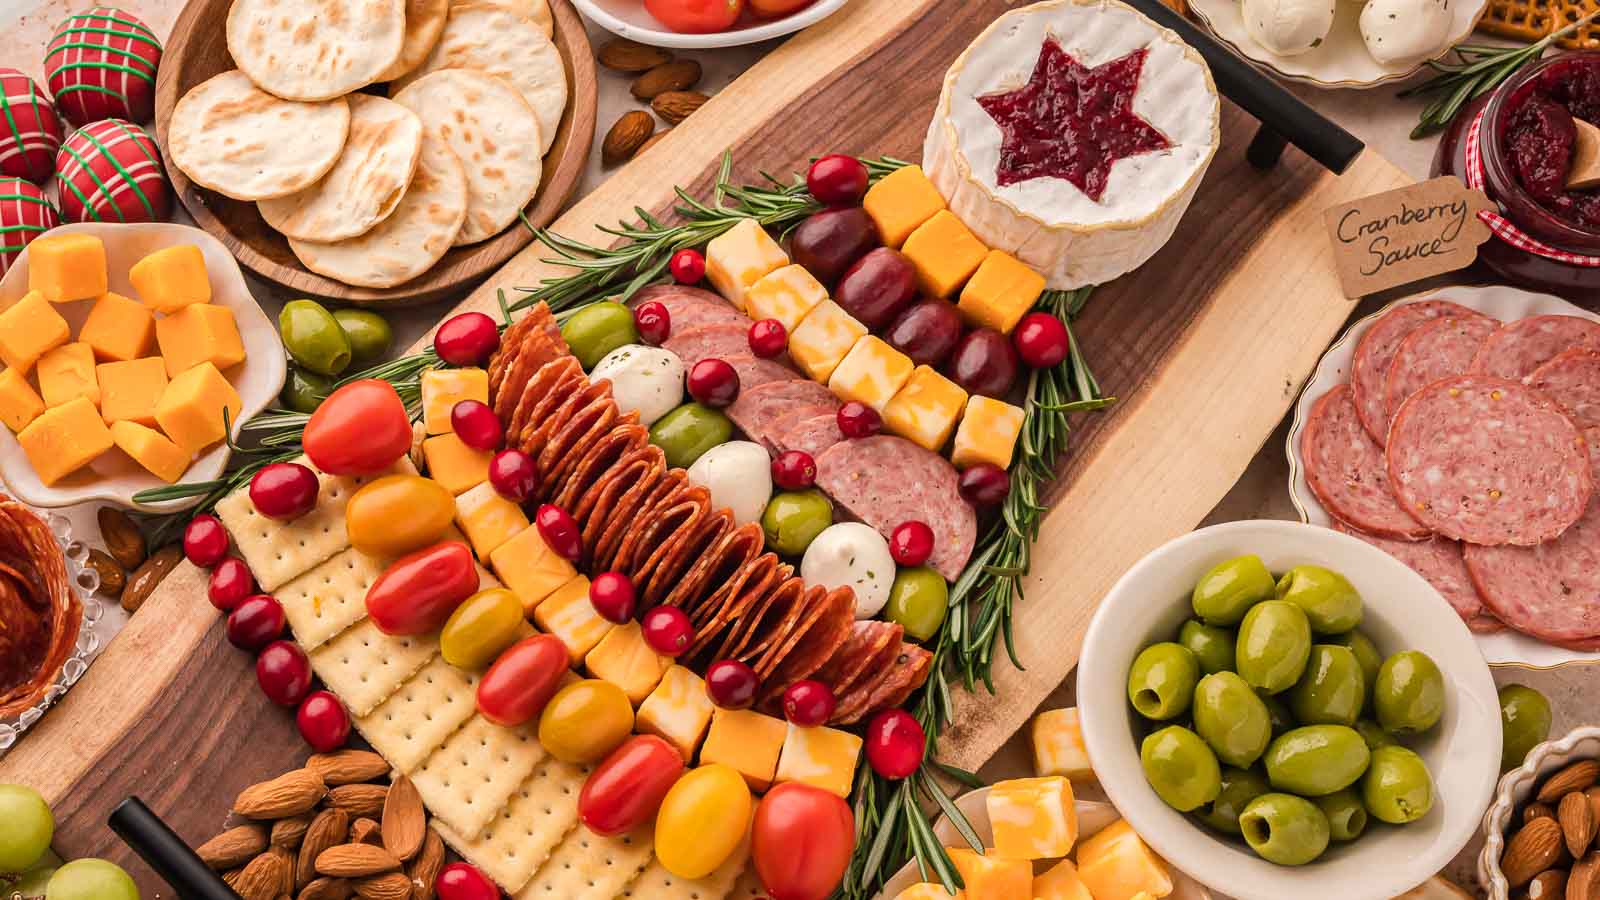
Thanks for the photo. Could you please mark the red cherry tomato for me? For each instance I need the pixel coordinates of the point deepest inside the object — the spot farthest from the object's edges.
(230, 583)
(731, 684)
(626, 790)
(802, 841)
(695, 16)
(420, 590)
(559, 530)
(362, 428)
(654, 322)
(768, 338)
(284, 673)
(205, 541)
(688, 266)
(517, 686)
(1041, 340)
(461, 881)
(837, 180)
(467, 340)
(667, 630)
(895, 744)
(911, 543)
(284, 491)
(323, 722)
(476, 425)
(808, 703)
(256, 622)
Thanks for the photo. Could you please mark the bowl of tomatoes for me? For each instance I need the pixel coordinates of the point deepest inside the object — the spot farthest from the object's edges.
(702, 24)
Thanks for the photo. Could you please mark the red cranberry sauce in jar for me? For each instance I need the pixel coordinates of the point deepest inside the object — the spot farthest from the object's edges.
(1538, 134)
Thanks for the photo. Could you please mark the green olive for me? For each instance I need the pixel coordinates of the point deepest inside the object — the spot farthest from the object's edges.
(1212, 646)
(1314, 760)
(689, 431)
(1161, 681)
(1397, 787)
(1347, 817)
(1232, 719)
(369, 333)
(1373, 734)
(1181, 768)
(304, 391)
(793, 520)
(918, 601)
(1274, 644)
(1409, 693)
(1239, 787)
(1331, 691)
(1524, 723)
(313, 337)
(598, 329)
(1366, 654)
(1331, 603)
(1284, 829)
(1224, 594)
(1282, 720)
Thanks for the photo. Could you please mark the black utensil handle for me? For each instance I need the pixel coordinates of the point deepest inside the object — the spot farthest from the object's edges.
(172, 859)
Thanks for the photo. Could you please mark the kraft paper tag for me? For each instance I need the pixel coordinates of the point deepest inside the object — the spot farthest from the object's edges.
(1406, 235)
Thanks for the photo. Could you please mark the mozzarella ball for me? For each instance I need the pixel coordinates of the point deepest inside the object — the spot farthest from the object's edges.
(852, 555)
(646, 380)
(739, 476)
(1400, 32)
(1288, 27)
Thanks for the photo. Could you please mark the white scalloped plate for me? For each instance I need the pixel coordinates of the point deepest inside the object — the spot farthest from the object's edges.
(1505, 647)
(628, 19)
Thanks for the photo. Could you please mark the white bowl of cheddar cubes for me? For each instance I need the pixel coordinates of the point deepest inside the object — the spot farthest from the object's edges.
(122, 347)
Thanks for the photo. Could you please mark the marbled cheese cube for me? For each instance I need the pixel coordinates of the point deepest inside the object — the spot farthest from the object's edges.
(900, 202)
(945, 252)
(926, 409)
(786, 294)
(989, 877)
(1060, 882)
(678, 710)
(1115, 864)
(821, 757)
(988, 433)
(741, 256)
(442, 389)
(748, 741)
(455, 465)
(823, 338)
(1000, 292)
(623, 658)
(1033, 818)
(488, 519)
(871, 373)
(1058, 746)
(570, 616)
(530, 568)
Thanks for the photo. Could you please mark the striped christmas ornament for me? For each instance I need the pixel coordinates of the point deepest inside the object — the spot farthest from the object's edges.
(24, 215)
(111, 172)
(101, 64)
(30, 130)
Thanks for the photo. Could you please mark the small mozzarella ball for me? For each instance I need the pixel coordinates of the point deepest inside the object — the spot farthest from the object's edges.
(1288, 27)
(852, 555)
(646, 380)
(739, 476)
(1399, 32)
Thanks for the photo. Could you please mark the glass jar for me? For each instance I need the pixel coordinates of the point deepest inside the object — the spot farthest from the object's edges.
(1531, 270)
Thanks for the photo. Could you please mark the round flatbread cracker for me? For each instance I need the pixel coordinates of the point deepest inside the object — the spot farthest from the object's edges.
(492, 39)
(537, 10)
(365, 185)
(315, 49)
(227, 135)
(424, 23)
(490, 127)
(410, 241)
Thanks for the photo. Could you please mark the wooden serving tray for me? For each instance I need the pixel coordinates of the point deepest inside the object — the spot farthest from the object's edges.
(1206, 346)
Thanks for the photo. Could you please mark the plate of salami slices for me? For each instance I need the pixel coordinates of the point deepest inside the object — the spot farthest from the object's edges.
(1459, 431)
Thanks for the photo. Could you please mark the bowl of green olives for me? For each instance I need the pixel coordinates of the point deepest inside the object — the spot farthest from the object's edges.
(1283, 710)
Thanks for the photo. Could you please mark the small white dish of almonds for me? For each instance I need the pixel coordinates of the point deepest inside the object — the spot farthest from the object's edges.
(1539, 834)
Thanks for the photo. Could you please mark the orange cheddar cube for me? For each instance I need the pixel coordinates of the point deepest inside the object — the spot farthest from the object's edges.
(741, 256)
(455, 465)
(821, 757)
(1033, 818)
(529, 567)
(1060, 882)
(987, 434)
(945, 253)
(871, 373)
(196, 334)
(900, 202)
(1058, 746)
(1000, 292)
(990, 877)
(785, 294)
(151, 449)
(129, 391)
(64, 439)
(623, 658)
(119, 329)
(30, 328)
(442, 389)
(823, 338)
(67, 267)
(1115, 864)
(488, 519)
(678, 711)
(748, 741)
(191, 408)
(927, 890)
(19, 402)
(926, 409)
(570, 616)
(67, 373)
(170, 279)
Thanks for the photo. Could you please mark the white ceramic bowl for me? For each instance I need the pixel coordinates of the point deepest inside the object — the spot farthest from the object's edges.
(115, 477)
(1515, 789)
(627, 18)
(1402, 612)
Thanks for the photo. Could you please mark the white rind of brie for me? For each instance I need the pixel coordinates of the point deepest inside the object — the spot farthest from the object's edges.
(1048, 223)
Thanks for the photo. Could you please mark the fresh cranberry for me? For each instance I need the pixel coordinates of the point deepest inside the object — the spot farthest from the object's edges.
(466, 340)
(768, 338)
(984, 484)
(476, 425)
(461, 881)
(653, 321)
(858, 420)
(667, 630)
(323, 721)
(794, 470)
(231, 582)
(613, 597)
(559, 531)
(514, 475)
(808, 703)
(284, 491)
(205, 541)
(688, 266)
(837, 180)
(731, 684)
(713, 382)
(284, 673)
(895, 744)
(911, 543)
(256, 622)
(1041, 340)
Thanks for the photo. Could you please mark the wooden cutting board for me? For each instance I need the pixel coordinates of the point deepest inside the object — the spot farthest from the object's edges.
(1206, 346)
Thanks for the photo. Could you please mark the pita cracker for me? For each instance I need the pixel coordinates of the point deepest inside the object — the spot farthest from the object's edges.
(424, 23)
(315, 49)
(537, 10)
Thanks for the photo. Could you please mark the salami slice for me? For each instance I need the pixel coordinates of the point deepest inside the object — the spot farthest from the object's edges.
(1437, 349)
(690, 307)
(1488, 461)
(1572, 379)
(1345, 469)
(1519, 347)
(758, 410)
(886, 480)
(1439, 561)
(1376, 351)
(708, 342)
(813, 435)
(755, 371)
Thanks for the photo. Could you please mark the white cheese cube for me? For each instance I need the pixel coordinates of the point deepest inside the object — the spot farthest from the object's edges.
(871, 373)
(1058, 745)
(488, 519)
(678, 710)
(988, 433)
(442, 389)
(823, 337)
(926, 410)
(786, 295)
(821, 757)
(739, 257)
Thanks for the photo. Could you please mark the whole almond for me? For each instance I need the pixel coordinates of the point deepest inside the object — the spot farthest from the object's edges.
(328, 829)
(1594, 800)
(355, 861)
(366, 831)
(262, 879)
(623, 55)
(123, 539)
(288, 833)
(405, 819)
(290, 794)
(113, 578)
(425, 868)
(675, 106)
(1583, 882)
(143, 581)
(655, 139)
(1537, 811)
(359, 799)
(1534, 848)
(626, 136)
(1551, 884)
(233, 847)
(678, 75)
(348, 766)
(285, 870)
(1576, 818)
(326, 889)
(393, 886)
(1577, 776)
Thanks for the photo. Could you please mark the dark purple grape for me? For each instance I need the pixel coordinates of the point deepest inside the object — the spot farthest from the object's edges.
(877, 288)
(830, 241)
(927, 332)
(984, 363)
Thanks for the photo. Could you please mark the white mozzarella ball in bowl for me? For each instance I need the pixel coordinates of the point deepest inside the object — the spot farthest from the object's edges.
(739, 476)
(1288, 27)
(852, 555)
(647, 380)
(1405, 31)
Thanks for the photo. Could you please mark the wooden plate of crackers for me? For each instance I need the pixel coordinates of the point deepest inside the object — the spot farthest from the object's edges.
(382, 153)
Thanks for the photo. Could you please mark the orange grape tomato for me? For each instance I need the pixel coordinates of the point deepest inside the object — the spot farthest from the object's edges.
(695, 16)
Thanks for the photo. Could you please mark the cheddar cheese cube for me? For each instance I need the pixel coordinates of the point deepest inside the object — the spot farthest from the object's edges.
(30, 328)
(823, 338)
(623, 658)
(748, 741)
(191, 408)
(170, 279)
(570, 616)
(442, 389)
(1033, 818)
(196, 334)
(900, 202)
(67, 373)
(1115, 864)
(945, 253)
(529, 567)
(151, 449)
(741, 256)
(488, 519)
(1058, 749)
(926, 409)
(119, 329)
(678, 711)
(1060, 882)
(927, 890)
(1000, 292)
(786, 294)
(67, 267)
(455, 465)
(821, 757)
(19, 402)
(64, 439)
(988, 433)
(871, 373)
(129, 391)
(990, 877)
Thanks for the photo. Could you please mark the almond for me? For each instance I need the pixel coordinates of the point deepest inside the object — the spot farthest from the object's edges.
(1594, 800)
(425, 868)
(393, 886)
(654, 140)
(348, 766)
(290, 794)
(1551, 884)
(1576, 818)
(288, 833)
(366, 831)
(285, 869)
(122, 537)
(1534, 848)
(233, 847)
(405, 819)
(1583, 882)
(623, 55)
(328, 829)
(626, 136)
(1537, 811)
(326, 889)
(359, 799)
(262, 879)
(675, 106)
(143, 581)
(678, 75)
(355, 861)
(1573, 777)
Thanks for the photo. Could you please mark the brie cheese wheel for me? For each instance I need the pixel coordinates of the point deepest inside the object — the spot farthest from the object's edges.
(1072, 236)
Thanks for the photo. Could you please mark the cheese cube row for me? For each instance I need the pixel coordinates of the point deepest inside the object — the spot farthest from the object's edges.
(1114, 864)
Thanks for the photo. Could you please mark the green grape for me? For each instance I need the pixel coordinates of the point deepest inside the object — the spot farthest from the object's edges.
(91, 879)
(28, 827)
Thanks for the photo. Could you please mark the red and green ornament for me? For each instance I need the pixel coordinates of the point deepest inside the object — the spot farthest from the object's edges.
(24, 215)
(111, 171)
(30, 130)
(101, 64)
